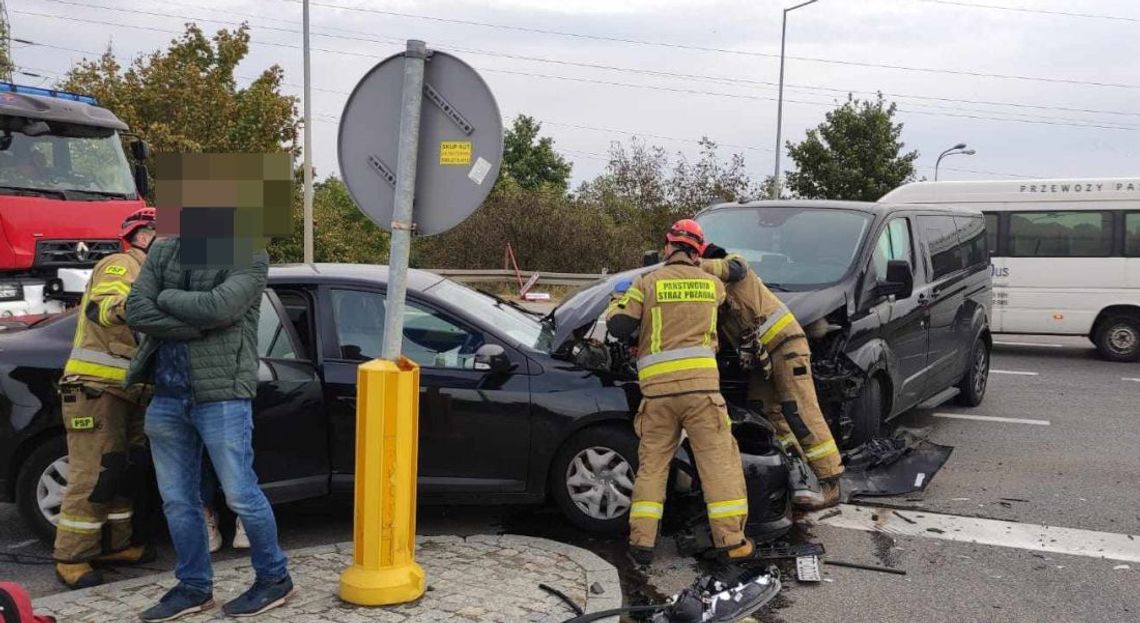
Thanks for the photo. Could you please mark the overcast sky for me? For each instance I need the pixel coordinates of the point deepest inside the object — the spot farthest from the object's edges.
(1069, 106)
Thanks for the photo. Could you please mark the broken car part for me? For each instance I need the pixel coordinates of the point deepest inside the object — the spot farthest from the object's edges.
(883, 467)
(855, 565)
(807, 569)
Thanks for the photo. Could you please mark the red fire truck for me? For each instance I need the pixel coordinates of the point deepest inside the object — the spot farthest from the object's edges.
(65, 187)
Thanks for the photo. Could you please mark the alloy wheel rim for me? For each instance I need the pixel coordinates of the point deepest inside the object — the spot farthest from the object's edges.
(981, 364)
(50, 489)
(600, 482)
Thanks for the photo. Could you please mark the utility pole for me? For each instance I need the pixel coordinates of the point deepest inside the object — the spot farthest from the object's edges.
(780, 101)
(6, 64)
(308, 212)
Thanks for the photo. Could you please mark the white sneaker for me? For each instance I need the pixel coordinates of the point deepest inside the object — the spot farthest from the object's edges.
(212, 531)
(241, 539)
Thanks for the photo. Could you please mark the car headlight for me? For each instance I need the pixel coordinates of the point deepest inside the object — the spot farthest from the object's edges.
(11, 291)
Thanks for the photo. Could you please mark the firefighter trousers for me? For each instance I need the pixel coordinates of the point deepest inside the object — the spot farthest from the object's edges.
(789, 402)
(104, 439)
(704, 417)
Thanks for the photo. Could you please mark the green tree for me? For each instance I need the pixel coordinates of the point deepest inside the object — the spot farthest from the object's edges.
(6, 65)
(341, 232)
(186, 98)
(856, 154)
(530, 159)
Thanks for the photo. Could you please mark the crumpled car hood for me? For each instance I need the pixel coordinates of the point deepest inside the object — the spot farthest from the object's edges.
(588, 304)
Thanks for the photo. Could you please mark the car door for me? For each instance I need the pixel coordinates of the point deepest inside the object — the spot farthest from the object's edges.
(289, 423)
(944, 299)
(903, 321)
(474, 425)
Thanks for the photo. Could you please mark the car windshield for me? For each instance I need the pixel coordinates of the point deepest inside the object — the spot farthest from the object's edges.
(68, 160)
(515, 323)
(791, 248)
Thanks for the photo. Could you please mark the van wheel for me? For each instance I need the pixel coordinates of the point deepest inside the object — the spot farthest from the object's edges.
(867, 412)
(1118, 338)
(40, 486)
(591, 478)
(974, 382)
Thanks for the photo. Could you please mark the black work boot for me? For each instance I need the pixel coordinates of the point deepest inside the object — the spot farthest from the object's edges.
(640, 556)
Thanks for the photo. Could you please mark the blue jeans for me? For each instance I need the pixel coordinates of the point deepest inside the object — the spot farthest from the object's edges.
(178, 429)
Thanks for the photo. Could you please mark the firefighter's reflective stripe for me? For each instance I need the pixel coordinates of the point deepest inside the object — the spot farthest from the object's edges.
(104, 309)
(655, 337)
(786, 441)
(121, 516)
(779, 319)
(677, 365)
(685, 291)
(111, 287)
(635, 294)
(674, 354)
(94, 363)
(647, 510)
(728, 508)
(822, 450)
(712, 329)
(82, 525)
(94, 356)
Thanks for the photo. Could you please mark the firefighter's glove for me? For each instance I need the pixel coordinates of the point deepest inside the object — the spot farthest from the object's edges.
(754, 356)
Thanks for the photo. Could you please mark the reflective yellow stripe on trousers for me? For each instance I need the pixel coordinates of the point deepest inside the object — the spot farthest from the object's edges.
(775, 323)
(647, 510)
(822, 450)
(728, 508)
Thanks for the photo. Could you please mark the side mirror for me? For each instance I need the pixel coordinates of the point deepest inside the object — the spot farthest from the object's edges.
(650, 258)
(492, 358)
(142, 180)
(899, 282)
(140, 150)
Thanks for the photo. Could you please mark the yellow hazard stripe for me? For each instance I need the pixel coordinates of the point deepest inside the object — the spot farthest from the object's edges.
(655, 339)
(677, 365)
(821, 450)
(647, 510)
(77, 366)
(728, 508)
(775, 329)
(635, 294)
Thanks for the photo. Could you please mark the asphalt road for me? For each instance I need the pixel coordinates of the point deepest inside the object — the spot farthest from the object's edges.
(1068, 459)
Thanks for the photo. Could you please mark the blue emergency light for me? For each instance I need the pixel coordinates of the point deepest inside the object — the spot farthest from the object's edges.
(8, 87)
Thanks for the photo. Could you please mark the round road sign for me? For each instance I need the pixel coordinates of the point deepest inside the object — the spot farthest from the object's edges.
(460, 146)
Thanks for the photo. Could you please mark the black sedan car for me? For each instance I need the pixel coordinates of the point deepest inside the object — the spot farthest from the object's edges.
(515, 407)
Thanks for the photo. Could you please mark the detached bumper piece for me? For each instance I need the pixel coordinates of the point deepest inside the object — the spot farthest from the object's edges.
(711, 600)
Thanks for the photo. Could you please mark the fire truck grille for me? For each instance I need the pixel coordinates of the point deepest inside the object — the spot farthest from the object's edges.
(73, 252)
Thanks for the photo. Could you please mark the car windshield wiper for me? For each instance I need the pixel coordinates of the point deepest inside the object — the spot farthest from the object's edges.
(29, 191)
(499, 301)
(775, 286)
(98, 193)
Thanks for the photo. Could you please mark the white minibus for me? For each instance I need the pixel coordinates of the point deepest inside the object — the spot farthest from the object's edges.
(1065, 254)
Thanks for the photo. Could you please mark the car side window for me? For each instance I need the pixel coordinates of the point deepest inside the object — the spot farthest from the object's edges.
(272, 339)
(894, 244)
(941, 234)
(972, 237)
(431, 339)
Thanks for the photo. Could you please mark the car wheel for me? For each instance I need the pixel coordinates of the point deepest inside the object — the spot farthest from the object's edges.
(867, 412)
(974, 382)
(1118, 338)
(40, 487)
(591, 478)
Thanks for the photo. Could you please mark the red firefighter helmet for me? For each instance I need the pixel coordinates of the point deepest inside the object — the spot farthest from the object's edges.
(687, 232)
(136, 221)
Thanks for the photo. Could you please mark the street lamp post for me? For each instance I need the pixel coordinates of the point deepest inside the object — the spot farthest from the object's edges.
(780, 101)
(960, 148)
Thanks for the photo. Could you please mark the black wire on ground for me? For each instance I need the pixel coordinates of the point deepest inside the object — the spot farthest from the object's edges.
(597, 616)
(559, 594)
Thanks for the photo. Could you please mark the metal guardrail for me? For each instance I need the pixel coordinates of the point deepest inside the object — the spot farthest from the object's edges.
(487, 276)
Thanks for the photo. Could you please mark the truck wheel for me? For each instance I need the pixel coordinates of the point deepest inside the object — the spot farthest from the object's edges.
(974, 382)
(867, 413)
(40, 486)
(1118, 338)
(591, 478)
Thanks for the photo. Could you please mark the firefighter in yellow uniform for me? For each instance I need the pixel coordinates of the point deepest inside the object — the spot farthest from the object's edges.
(673, 310)
(103, 420)
(788, 400)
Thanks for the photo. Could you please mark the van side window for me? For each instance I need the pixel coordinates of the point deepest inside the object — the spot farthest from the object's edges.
(1060, 234)
(992, 231)
(941, 234)
(894, 244)
(972, 236)
(1132, 234)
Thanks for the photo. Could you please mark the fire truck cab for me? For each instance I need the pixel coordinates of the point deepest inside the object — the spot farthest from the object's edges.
(65, 187)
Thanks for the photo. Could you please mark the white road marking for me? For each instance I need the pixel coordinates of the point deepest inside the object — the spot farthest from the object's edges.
(1017, 372)
(990, 418)
(1128, 379)
(23, 544)
(1026, 536)
(1039, 344)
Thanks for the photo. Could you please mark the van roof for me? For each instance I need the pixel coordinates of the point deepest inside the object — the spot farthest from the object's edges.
(880, 207)
(1018, 191)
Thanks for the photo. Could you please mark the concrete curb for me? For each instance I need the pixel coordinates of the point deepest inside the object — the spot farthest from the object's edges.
(603, 588)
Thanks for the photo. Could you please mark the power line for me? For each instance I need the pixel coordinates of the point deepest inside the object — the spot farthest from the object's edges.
(983, 172)
(1119, 18)
(664, 44)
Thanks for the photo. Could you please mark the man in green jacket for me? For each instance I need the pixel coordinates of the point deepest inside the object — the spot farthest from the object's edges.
(199, 350)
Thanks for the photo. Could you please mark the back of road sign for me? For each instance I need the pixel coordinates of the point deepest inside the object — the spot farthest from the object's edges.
(460, 146)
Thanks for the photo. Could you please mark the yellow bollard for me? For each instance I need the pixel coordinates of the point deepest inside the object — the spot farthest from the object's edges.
(384, 570)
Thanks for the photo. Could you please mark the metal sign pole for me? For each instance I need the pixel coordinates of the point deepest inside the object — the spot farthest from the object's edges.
(402, 224)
